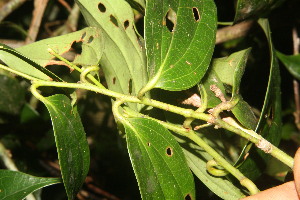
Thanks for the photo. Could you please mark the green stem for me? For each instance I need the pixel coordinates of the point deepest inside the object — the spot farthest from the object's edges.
(92, 78)
(188, 113)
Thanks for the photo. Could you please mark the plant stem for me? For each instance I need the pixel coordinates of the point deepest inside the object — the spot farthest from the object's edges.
(92, 78)
(188, 113)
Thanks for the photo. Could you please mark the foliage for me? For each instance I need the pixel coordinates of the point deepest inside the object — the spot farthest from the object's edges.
(180, 110)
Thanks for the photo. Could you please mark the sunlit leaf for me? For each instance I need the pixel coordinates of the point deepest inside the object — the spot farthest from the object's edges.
(158, 161)
(16, 185)
(71, 143)
(180, 38)
(123, 61)
(26, 65)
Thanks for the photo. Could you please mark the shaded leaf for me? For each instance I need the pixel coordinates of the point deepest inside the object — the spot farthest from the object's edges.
(16, 185)
(123, 61)
(197, 159)
(12, 95)
(292, 63)
(254, 8)
(71, 143)
(271, 112)
(88, 40)
(158, 161)
(180, 38)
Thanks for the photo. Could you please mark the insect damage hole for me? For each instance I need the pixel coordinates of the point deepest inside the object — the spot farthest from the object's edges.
(91, 38)
(102, 7)
(126, 24)
(188, 197)
(196, 14)
(130, 86)
(114, 20)
(170, 20)
(169, 151)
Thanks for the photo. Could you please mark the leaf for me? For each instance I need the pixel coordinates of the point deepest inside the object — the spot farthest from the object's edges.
(158, 161)
(254, 8)
(227, 73)
(71, 143)
(89, 40)
(180, 38)
(292, 63)
(271, 112)
(21, 63)
(197, 159)
(16, 185)
(12, 95)
(123, 61)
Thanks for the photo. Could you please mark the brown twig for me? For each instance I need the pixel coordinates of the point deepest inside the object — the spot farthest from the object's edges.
(92, 187)
(295, 82)
(233, 32)
(9, 7)
(38, 12)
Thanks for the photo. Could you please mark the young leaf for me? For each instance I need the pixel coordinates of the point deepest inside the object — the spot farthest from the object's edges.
(90, 45)
(180, 38)
(292, 63)
(71, 143)
(158, 161)
(123, 61)
(16, 185)
(254, 8)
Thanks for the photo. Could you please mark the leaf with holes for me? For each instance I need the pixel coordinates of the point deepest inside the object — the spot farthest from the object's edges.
(158, 161)
(291, 62)
(254, 8)
(180, 38)
(88, 42)
(123, 61)
(71, 143)
(17, 185)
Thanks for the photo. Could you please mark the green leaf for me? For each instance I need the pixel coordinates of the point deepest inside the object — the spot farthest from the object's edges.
(123, 61)
(71, 143)
(197, 159)
(158, 161)
(16, 185)
(178, 58)
(227, 73)
(23, 64)
(292, 63)
(12, 95)
(269, 124)
(254, 8)
(89, 40)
